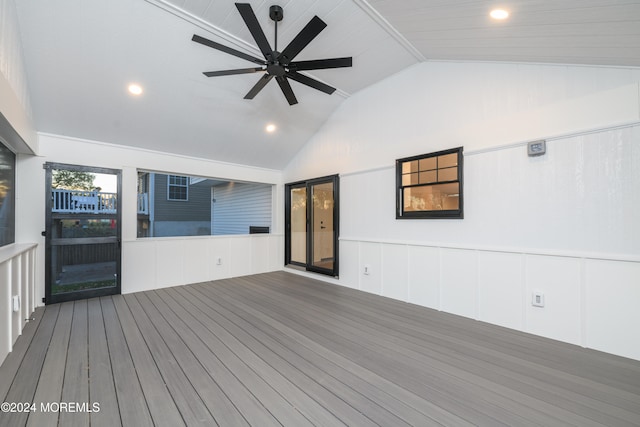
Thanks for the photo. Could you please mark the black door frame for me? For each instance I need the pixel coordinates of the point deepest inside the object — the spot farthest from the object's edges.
(308, 184)
(82, 294)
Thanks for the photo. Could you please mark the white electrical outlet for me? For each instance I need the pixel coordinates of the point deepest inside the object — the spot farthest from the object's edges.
(16, 303)
(537, 299)
(367, 269)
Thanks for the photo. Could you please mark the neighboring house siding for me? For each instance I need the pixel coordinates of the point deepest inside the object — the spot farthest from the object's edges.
(239, 205)
(197, 208)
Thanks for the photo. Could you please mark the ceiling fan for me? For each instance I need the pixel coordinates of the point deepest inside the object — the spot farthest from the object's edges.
(278, 64)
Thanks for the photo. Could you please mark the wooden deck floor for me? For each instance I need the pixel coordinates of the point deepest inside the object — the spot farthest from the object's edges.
(280, 349)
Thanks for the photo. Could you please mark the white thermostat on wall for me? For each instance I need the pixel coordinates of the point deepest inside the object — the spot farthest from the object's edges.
(536, 148)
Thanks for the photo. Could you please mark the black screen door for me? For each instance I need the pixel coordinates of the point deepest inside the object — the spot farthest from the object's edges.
(83, 232)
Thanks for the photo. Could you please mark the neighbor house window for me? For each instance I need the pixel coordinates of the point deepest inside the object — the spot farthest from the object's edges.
(178, 187)
(430, 185)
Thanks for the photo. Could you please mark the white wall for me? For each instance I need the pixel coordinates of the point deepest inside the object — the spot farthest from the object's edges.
(564, 223)
(156, 262)
(14, 95)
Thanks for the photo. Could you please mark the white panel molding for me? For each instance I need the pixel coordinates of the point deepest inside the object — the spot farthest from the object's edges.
(569, 117)
(576, 309)
(488, 248)
(520, 143)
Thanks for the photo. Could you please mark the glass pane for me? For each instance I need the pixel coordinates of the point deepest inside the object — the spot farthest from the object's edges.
(77, 228)
(323, 232)
(409, 179)
(80, 267)
(428, 177)
(409, 167)
(7, 196)
(299, 225)
(428, 164)
(83, 192)
(449, 174)
(448, 160)
(432, 198)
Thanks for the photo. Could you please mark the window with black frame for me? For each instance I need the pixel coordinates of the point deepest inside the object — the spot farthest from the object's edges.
(7, 196)
(430, 185)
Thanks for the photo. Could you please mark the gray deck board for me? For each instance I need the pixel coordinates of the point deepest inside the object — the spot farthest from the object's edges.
(295, 378)
(277, 405)
(210, 383)
(278, 349)
(502, 380)
(198, 338)
(12, 362)
(348, 405)
(191, 407)
(75, 387)
(162, 407)
(101, 385)
(51, 376)
(132, 405)
(25, 380)
(549, 386)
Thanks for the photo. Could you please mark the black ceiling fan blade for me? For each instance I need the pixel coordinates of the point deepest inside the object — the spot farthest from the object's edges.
(301, 78)
(254, 28)
(232, 72)
(286, 89)
(304, 37)
(198, 39)
(321, 64)
(258, 86)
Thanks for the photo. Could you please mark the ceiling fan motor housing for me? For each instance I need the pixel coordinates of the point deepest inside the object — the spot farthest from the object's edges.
(276, 13)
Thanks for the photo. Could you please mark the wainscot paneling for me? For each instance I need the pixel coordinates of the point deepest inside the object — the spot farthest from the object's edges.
(395, 275)
(349, 263)
(371, 259)
(424, 276)
(196, 265)
(458, 282)
(218, 250)
(558, 278)
(589, 299)
(500, 289)
(612, 293)
(154, 263)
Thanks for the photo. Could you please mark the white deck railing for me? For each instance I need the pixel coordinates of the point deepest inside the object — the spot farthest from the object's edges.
(79, 201)
(143, 203)
(17, 292)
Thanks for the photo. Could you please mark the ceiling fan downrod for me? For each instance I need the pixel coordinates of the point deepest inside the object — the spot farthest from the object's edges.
(276, 13)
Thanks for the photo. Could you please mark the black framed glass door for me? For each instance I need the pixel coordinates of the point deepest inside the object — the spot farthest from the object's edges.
(312, 224)
(82, 232)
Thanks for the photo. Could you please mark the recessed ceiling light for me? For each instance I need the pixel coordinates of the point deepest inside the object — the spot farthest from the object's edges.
(135, 89)
(499, 14)
(270, 128)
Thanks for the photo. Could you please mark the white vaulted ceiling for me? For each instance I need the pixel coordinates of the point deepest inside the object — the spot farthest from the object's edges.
(80, 55)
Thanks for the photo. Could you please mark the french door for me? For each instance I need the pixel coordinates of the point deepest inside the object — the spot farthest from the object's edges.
(312, 224)
(82, 232)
